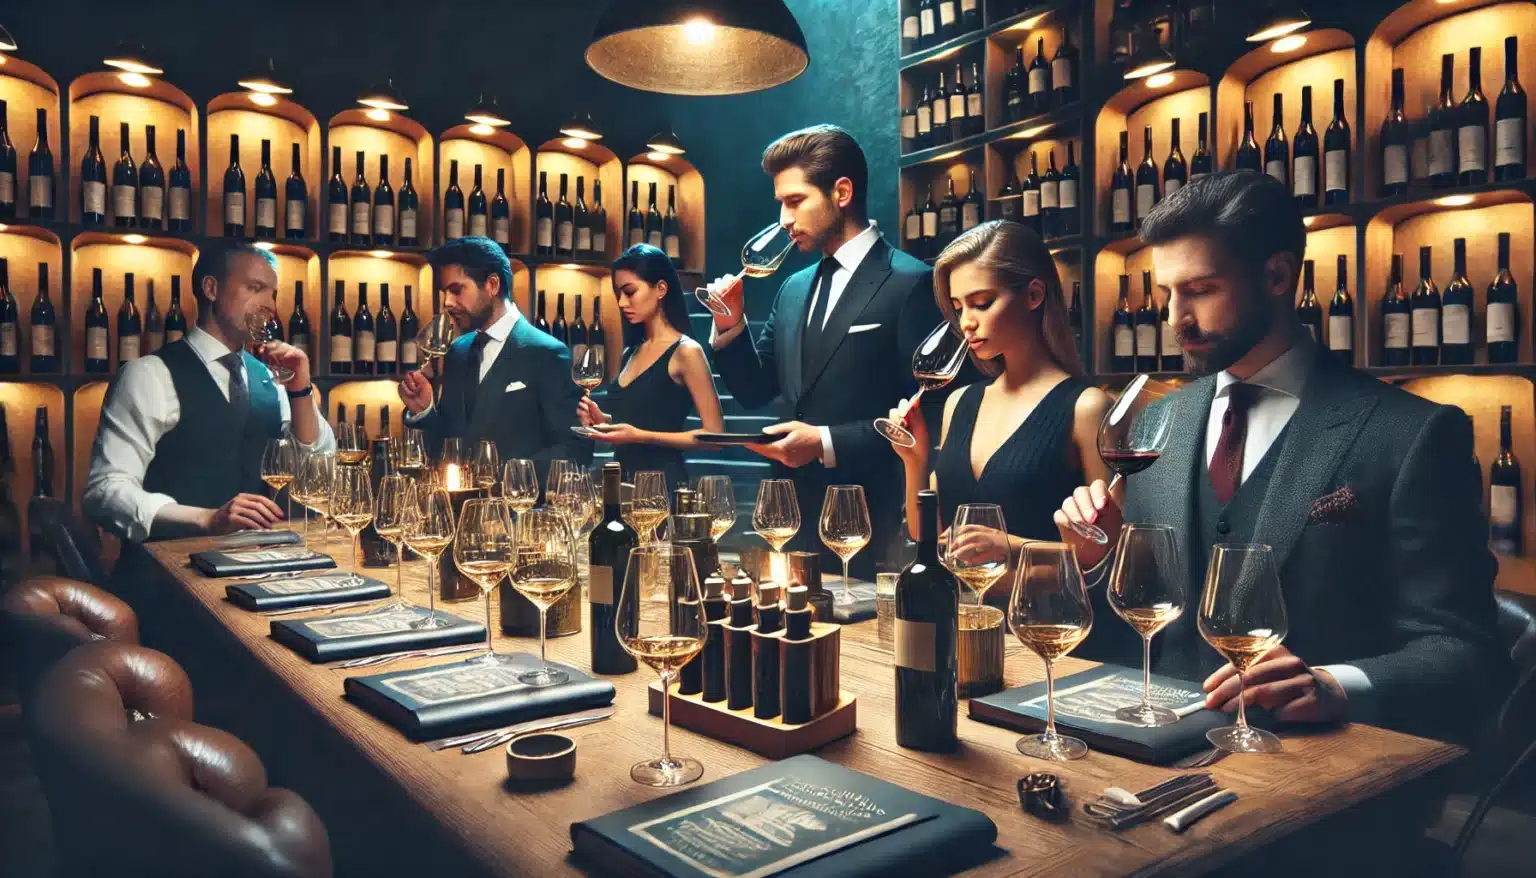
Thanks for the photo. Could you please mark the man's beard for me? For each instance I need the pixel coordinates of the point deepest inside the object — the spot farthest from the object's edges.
(1254, 321)
(476, 320)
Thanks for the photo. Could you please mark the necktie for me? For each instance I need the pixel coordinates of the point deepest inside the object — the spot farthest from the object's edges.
(823, 292)
(239, 396)
(476, 357)
(1227, 462)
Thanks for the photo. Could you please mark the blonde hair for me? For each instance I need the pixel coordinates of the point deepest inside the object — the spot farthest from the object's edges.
(1017, 256)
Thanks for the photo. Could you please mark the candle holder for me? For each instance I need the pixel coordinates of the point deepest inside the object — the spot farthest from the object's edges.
(980, 651)
(805, 569)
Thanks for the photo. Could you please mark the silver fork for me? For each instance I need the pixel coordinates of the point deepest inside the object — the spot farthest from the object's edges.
(1201, 760)
(389, 657)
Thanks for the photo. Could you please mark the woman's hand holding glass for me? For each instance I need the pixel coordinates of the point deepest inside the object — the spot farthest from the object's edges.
(976, 547)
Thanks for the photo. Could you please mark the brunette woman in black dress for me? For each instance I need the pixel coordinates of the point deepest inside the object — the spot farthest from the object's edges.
(663, 373)
(1020, 438)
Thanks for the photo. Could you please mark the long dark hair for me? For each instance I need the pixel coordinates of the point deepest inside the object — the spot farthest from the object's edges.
(652, 266)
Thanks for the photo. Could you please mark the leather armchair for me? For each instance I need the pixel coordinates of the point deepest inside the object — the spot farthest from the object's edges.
(47, 616)
(163, 796)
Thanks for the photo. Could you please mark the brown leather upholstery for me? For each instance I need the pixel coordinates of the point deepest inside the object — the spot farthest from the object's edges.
(47, 616)
(164, 796)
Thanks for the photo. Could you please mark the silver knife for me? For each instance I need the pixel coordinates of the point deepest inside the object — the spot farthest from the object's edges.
(529, 726)
(502, 738)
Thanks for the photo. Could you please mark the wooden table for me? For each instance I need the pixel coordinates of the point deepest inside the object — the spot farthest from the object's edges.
(528, 833)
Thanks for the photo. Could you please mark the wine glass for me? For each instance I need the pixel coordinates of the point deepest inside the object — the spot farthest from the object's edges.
(397, 494)
(312, 485)
(408, 451)
(351, 445)
(976, 551)
(543, 570)
(1132, 436)
(484, 549)
(278, 461)
(435, 338)
(590, 370)
(718, 497)
(260, 330)
(845, 527)
(557, 468)
(648, 504)
(1146, 589)
(573, 498)
(776, 517)
(1242, 616)
(487, 464)
(664, 635)
(352, 505)
(429, 529)
(520, 485)
(935, 363)
(761, 256)
(1050, 614)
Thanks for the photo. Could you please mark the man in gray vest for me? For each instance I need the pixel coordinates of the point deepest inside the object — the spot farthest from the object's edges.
(178, 451)
(1366, 493)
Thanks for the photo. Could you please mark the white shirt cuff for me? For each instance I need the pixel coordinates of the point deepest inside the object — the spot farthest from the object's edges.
(414, 419)
(1357, 686)
(719, 339)
(145, 507)
(828, 458)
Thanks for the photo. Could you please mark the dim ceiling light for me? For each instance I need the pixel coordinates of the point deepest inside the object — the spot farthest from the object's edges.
(481, 129)
(1288, 44)
(7, 42)
(379, 254)
(265, 82)
(656, 156)
(574, 142)
(134, 239)
(1454, 201)
(698, 47)
(378, 115)
(132, 58)
(1281, 19)
(134, 80)
(665, 143)
(383, 97)
(487, 113)
(262, 99)
(571, 265)
(1150, 63)
(1160, 80)
(583, 126)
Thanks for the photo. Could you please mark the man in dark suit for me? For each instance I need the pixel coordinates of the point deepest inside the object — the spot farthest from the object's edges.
(837, 347)
(503, 379)
(1367, 494)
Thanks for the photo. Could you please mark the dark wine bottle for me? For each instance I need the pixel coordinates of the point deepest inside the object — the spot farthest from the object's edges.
(608, 549)
(1175, 169)
(1071, 214)
(179, 189)
(1040, 80)
(1396, 143)
(928, 23)
(972, 208)
(151, 185)
(44, 327)
(300, 335)
(336, 201)
(653, 224)
(1505, 489)
(295, 198)
(578, 334)
(40, 172)
(544, 216)
(98, 344)
(583, 244)
(387, 335)
(1443, 129)
(1308, 311)
(1172, 351)
(234, 192)
(1337, 149)
(911, 28)
(408, 206)
(10, 514)
(384, 208)
(1472, 126)
(970, 15)
(1201, 162)
(42, 455)
(672, 230)
(362, 205)
(1122, 187)
(410, 327)
(949, 215)
(266, 195)
(559, 330)
(636, 220)
(377, 551)
(1426, 315)
(1148, 192)
(479, 207)
(565, 220)
(501, 211)
(1510, 115)
(175, 318)
(1277, 150)
(949, 19)
(1015, 89)
(599, 221)
(596, 338)
(1341, 317)
(10, 324)
(364, 339)
(154, 321)
(453, 205)
(930, 226)
(1075, 316)
(912, 229)
(975, 102)
(1010, 201)
(958, 103)
(1248, 157)
(1123, 331)
(1304, 157)
(927, 632)
(8, 176)
(1064, 69)
(1456, 312)
(540, 322)
(1503, 310)
(130, 326)
(93, 179)
(341, 334)
(125, 184)
(940, 133)
(1147, 335)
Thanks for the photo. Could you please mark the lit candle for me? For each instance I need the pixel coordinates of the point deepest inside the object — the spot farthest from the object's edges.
(453, 479)
(778, 567)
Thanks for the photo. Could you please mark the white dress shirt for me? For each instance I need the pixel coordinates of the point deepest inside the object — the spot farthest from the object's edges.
(498, 333)
(142, 409)
(848, 258)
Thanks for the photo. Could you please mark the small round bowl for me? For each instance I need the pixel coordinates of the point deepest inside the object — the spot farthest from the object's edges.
(541, 757)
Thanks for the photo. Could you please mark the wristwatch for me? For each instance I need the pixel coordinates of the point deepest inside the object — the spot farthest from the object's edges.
(300, 394)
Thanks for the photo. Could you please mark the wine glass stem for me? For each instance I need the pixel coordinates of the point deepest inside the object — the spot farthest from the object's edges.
(288, 514)
(543, 662)
(1050, 700)
(847, 596)
(356, 541)
(1242, 714)
(431, 584)
(399, 572)
(666, 717)
(490, 648)
(1146, 671)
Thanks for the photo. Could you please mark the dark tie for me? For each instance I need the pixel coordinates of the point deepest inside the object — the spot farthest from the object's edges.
(476, 357)
(1227, 462)
(239, 396)
(823, 292)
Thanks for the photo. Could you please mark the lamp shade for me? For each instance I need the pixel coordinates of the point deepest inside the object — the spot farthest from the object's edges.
(132, 58)
(582, 127)
(1150, 59)
(1277, 21)
(666, 144)
(265, 81)
(698, 47)
(383, 97)
(7, 42)
(486, 112)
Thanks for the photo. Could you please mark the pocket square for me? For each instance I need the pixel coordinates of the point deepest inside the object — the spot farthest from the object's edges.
(863, 327)
(515, 385)
(1338, 507)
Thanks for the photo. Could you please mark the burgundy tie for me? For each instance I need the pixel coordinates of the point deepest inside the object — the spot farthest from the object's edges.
(1227, 462)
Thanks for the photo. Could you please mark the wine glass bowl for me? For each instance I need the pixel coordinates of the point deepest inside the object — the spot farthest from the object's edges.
(1051, 614)
(487, 464)
(312, 485)
(844, 528)
(776, 517)
(1243, 617)
(543, 570)
(259, 330)
(428, 526)
(761, 256)
(648, 504)
(572, 497)
(484, 549)
(1132, 436)
(408, 452)
(976, 551)
(590, 370)
(935, 363)
(718, 497)
(279, 460)
(520, 485)
(437, 336)
(1146, 589)
(351, 445)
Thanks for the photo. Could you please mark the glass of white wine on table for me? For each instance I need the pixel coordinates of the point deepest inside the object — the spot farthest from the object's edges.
(761, 256)
(1050, 614)
(1132, 436)
(1146, 589)
(519, 485)
(777, 515)
(312, 487)
(543, 570)
(352, 505)
(976, 546)
(397, 494)
(279, 460)
(1242, 616)
(648, 504)
(429, 529)
(935, 363)
(351, 445)
(484, 549)
(845, 527)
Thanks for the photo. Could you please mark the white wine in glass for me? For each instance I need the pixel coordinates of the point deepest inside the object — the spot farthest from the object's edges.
(648, 504)
(484, 549)
(279, 462)
(976, 551)
(1146, 589)
(543, 570)
(777, 515)
(351, 445)
(520, 484)
(429, 528)
(761, 256)
(590, 370)
(719, 499)
(845, 527)
(1243, 617)
(1051, 614)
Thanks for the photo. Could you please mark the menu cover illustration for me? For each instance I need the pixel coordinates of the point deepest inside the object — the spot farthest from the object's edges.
(304, 591)
(281, 559)
(333, 638)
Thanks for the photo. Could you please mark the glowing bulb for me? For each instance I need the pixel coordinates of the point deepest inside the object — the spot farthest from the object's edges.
(1288, 44)
(656, 156)
(379, 254)
(378, 115)
(1454, 201)
(1160, 80)
(134, 239)
(482, 129)
(262, 99)
(264, 245)
(574, 142)
(134, 80)
(1308, 221)
(699, 30)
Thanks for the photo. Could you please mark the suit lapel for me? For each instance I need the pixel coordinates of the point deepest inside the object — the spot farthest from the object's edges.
(796, 298)
(1182, 461)
(866, 281)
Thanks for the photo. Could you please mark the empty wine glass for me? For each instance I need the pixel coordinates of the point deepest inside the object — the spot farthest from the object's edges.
(590, 370)
(429, 529)
(543, 570)
(278, 461)
(1050, 614)
(664, 635)
(1242, 616)
(648, 504)
(487, 464)
(845, 527)
(718, 497)
(436, 337)
(935, 363)
(1146, 589)
(557, 468)
(484, 549)
(1132, 436)
(397, 494)
(777, 515)
(259, 329)
(976, 550)
(761, 256)
(352, 506)
(312, 486)
(520, 485)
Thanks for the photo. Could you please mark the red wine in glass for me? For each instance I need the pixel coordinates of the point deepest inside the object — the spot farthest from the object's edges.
(1129, 463)
(1132, 436)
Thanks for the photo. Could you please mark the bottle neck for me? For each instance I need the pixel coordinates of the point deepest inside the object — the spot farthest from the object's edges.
(928, 529)
(611, 510)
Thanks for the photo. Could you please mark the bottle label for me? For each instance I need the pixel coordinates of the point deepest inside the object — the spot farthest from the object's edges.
(909, 126)
(1146, 340)
(600, 241)
(1306, 176)
(266, 213)
(95, 196)
(1068, 193)
(600, 584)
(909, 28)
(96, 343)
(1146, 196)
(1171, 341)
(672, 245)
(501, 230)
(388, 351)
(1039, 80)
(1456, 322)
(366, 349)
(1472, 147)
(1032, 202)
(1503, 504)
(477, 225)
(337, 222)
(408, 354)
(1061, 73)
(916, 645)
(636, 236)
(7, 187)
(295, 216)
(1010, 208)
(926, 22)
(341, 349)
(930, 225)
(1336, 171)
(1394, 165)
(1508, 145)
(584, 240)
(957, 108)
(973, 105)
(152, 203)
(1125, 342)
(454, 223)
(1397, 331)
(384, 219)
(181, 203)
(360, 218)
(234, 208)
(123, 198)
(947, 13)
(1426, 327)
(127, 348)
(1050, 195)
(967, 6)
(924, 120)
(1501, 322)
(1275, 169)
(1442, 153)
(40, 191)
(949, 218)
(1171, 186)
(970, 216)
(1341, 333)
(654, 239)
(546, 233)
(914, 227)
(565, 236)
(940, 113)
(1121, 211)
(8, 339)
(408, 225)
(42, 341)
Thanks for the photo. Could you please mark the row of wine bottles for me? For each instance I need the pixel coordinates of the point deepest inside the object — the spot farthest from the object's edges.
(944, 115)
(137, 334)
(926, 23)
(364, 343)
(1047, 204)
(1428, 327)
(1143, 339)
(42, 457)
(361, 215)
(664, 232)
(928, 229)
(43, 339)
(1043, 85)
(578, 335)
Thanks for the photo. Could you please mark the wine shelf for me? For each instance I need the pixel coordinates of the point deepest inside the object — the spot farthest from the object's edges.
(283, 124)
(592, 161)
(675, 171)
(499, 151)
(107, 96)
